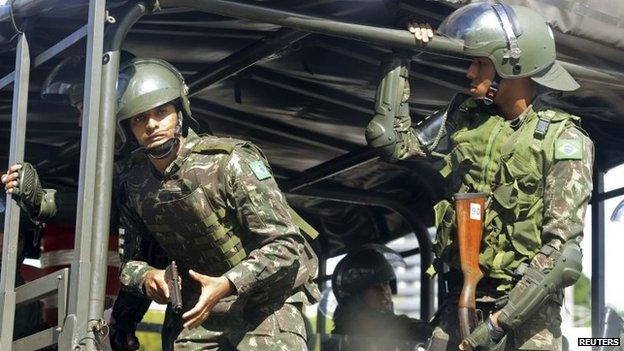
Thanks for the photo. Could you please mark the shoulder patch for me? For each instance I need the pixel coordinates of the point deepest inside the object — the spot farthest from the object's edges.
(214, 145)
(569, 149)
(260, 170)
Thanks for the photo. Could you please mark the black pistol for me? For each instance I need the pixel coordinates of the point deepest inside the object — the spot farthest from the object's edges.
(175, 289)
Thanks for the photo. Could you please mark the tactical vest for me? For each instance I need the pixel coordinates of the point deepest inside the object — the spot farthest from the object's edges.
(511, 165)
(192, 224)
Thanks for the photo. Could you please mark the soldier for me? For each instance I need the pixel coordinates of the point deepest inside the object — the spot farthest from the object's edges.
(65, 85)
(533, 161)
(215, 208)
(363, 283)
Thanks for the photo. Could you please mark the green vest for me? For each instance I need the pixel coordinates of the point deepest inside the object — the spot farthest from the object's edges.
(510, 164)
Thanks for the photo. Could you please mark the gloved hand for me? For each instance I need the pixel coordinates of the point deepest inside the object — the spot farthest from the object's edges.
(486, 336)
(22, 181)
(123, 340)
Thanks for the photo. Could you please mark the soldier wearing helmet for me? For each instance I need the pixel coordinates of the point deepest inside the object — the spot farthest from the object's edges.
(504, 139)
(213, 205)
(363, 283)
(65, 85)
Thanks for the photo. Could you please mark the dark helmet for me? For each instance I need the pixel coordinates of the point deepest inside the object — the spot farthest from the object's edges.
(517, 40)
(361, 269)
(65, 83)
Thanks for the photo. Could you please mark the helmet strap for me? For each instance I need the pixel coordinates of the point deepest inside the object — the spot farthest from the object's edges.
(164, 150)
(492, 91)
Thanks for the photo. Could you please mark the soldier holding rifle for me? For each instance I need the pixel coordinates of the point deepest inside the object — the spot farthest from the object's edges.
(533, 163)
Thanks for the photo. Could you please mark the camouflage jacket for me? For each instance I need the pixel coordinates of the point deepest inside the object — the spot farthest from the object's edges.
(217, 210)
(539, 184)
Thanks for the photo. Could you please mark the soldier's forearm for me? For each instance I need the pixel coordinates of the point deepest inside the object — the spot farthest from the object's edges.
(389, 131)
(132, 276)
(270, 263)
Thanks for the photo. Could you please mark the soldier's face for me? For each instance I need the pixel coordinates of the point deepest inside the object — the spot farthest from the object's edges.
(154, 127)
(481, 74)
(379, 297)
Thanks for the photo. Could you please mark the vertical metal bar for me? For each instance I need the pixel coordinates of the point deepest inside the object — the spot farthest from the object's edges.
(81, 268)
(320, 317)
(598, 252)
(103, 184)
(11, 222)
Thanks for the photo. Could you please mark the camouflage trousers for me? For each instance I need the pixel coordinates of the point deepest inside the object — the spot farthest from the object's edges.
(541, 331)
(267, 328)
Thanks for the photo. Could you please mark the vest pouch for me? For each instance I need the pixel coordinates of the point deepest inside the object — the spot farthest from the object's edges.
(527, 177)
(198, 233)
(506, 196)
(445, 224)
(526, 237)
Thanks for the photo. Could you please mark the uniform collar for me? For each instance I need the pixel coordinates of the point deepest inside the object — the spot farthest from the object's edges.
(185, 150)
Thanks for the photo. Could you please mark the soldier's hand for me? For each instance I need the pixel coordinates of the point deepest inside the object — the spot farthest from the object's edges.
(11, 178)
(156, 286)
(213, 290)
(422, 31)
(486, 336)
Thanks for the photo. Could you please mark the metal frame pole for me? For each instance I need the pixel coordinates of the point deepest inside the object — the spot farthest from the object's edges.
(12, 218)
(77, 321)
(598, 252)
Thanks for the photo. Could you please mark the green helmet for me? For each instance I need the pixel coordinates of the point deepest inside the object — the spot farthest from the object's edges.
(146, 83)
(517, 40)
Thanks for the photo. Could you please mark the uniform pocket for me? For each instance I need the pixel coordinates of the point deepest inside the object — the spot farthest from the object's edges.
(445, 222)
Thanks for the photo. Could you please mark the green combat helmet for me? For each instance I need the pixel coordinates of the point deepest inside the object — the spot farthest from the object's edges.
(517, 40)
(146, 83)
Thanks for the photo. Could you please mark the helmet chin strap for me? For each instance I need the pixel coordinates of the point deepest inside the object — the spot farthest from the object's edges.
(163, 150)
(492, 91)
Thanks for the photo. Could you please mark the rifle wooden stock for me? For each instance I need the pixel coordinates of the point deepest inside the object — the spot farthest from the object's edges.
(469, 210)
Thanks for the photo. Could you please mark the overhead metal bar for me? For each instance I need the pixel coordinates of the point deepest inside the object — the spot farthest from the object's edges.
(324, 93)
(311, 90)
(242, 59)
(12, 214)
(366, 198)
(49, 53)
(609, 194)
(309, 23)
(274, 127)
(331, 168)
(375, 35)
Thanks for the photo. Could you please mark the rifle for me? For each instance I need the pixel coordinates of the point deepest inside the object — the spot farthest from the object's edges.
(469, 209)
(175, 289)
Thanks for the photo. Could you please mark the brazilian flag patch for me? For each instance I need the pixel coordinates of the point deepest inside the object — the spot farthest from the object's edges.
(260, 170)
(568, 150)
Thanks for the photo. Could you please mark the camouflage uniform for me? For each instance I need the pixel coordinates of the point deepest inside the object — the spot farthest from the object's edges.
(218, 210)
(538, 172)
